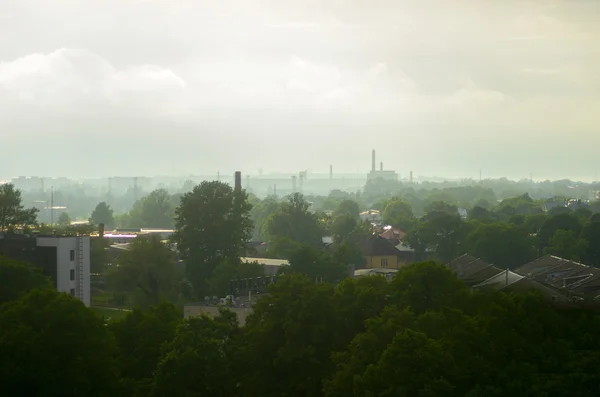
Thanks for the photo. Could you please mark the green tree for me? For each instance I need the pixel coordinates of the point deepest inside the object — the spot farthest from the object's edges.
(198, 361)
(212, 224)
(294, 221)
(12, 211)
(99, 254)
(504, 245)
(18, 279)
(155, 210)
(481, 214)
(260, 213)
(318, 265)
(548, 229)
(412, 365)
(427, 286)
(64, 219)
(365, 350)
(231, 269)
(348, 207)
(140, 337)
(282, 248)
(342, 227)
(290, 336)
(591, 234)
(103, 214)
(52, 345)
(566, 245)
(442, 231)
(349, 254)
(398, 213)
(357, 301)
(147, 270)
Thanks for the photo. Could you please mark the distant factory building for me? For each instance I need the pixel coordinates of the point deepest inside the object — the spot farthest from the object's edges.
(386, 175)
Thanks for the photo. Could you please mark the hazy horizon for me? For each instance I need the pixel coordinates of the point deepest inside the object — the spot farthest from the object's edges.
(176, 87)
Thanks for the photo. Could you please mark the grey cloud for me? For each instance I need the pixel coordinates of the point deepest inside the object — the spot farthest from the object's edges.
(268, 75)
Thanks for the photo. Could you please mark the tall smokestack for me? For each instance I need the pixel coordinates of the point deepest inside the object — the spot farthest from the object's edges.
(294, 184)
(381, 166)
(331, 172)
(411, 177)
(238, 181)
(373, 160)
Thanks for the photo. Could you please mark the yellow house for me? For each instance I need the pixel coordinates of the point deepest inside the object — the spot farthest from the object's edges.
(380, 253)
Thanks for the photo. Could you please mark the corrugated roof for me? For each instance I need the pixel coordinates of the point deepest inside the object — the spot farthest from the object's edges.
(563, 275)
(500, 280)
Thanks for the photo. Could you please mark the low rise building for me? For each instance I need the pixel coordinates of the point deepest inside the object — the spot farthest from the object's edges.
(65, 260)
(387, 273)
(379, 252)
(471, 270)
(271, 266)
(573, 280)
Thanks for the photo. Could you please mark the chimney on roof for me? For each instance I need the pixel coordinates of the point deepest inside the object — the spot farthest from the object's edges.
(238, 181)
(373, 160)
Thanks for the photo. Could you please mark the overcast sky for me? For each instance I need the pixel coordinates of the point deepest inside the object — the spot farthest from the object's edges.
(441, 87)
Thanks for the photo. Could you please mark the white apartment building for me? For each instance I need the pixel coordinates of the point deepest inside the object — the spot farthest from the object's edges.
(65, 260)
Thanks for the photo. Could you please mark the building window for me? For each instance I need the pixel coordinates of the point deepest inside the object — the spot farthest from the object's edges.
(384, 262)
(72, 255)
(72, 291)
(72, 274)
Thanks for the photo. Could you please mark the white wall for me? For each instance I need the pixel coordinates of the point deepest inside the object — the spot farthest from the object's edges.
(64, 246)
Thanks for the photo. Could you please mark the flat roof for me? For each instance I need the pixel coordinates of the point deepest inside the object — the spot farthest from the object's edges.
(266, 261)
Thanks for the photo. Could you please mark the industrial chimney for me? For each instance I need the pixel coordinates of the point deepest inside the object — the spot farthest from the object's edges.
(331, 172)
(381, 166)
(238, 181)
(373, 160)
(411, 177)
(293, 183)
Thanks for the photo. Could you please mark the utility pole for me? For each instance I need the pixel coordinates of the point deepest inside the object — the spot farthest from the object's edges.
(135, 189)
(52, 206)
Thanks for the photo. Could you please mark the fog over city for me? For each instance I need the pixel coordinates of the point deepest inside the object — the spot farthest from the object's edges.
(91, 89)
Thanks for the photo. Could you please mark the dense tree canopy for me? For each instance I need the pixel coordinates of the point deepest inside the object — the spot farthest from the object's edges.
(12, 211)
(140, 338)
(212, 224)
(148, 270)
(52, 345)
(348, 207)
(155, 210)
(504, 245)
(293, 220)
(103, 214)
(18, 279)
(398, 213)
